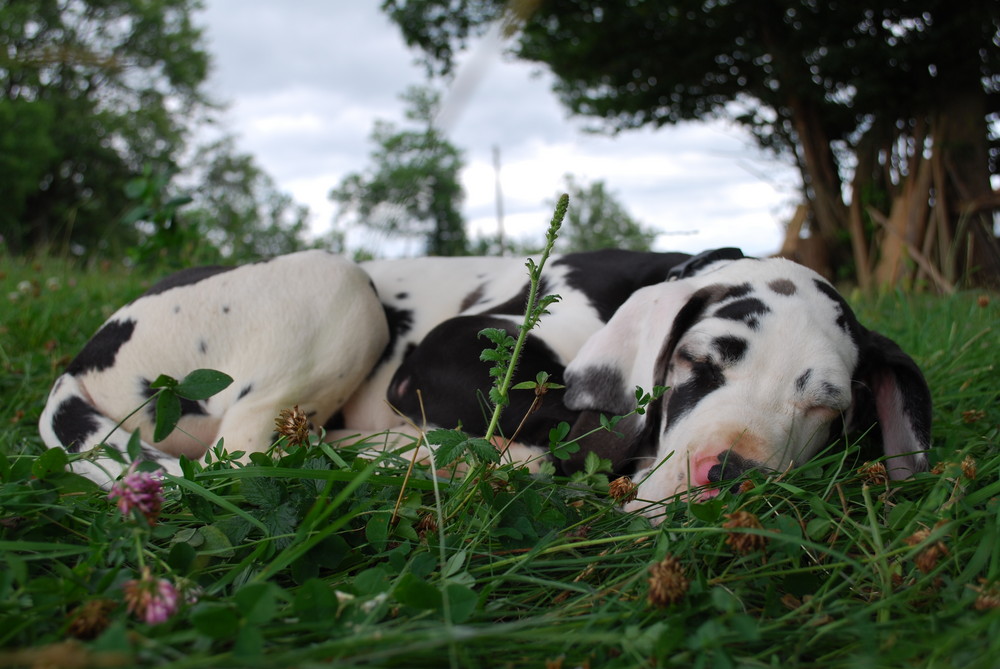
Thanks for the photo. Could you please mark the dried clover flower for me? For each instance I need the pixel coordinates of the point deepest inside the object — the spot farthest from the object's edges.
(973, 415)
(989, 596)
(426, 524)
(667, 583)
(293, 424)
(928, 558)
(969, 467)
(874, 473)
(742, 542)
(622, 490)
(139, 490)
(90, 619)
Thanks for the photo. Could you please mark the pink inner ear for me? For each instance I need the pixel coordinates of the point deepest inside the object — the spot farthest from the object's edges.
(897, 433)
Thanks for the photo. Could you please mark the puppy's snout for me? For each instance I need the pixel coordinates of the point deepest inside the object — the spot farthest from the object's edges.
(730, 465)
(724, 466)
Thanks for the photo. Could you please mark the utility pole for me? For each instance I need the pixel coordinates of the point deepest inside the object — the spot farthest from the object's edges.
(499, 199)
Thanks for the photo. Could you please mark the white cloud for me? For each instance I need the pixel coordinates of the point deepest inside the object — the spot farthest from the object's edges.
(306, 81)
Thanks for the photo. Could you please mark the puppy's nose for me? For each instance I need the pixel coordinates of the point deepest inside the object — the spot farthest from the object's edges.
(729, 465)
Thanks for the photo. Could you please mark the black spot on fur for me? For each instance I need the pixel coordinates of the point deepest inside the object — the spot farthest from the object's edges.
(247, 389)
(400, 322)
(846, 320)
(203, 346)
(802, 381)
(185, 277)
(739, 290)
(706, 377)
(829, 394)
(730, 349)
(599, 388)
(748, 310)
(402, 296)
(609, 277)
(472, 298)
(515, 305)
(225, 309)
(782, 287)
(100, 351)
(73, 422)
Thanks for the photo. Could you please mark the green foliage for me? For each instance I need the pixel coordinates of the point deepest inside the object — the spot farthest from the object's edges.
(200, 384)
(299, 560)
(237, 208)
(91, 92)
(413, 188)
(597, 220)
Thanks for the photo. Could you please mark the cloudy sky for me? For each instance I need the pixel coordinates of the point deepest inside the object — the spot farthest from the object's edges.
(306, 80)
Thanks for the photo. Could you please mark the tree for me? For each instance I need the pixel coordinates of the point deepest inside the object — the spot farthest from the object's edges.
(238, 209)
(90, 92)
(413, 187)
(597, 220)
(882, 105)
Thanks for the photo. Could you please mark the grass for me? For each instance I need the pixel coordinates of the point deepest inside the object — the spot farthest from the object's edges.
(296, 560)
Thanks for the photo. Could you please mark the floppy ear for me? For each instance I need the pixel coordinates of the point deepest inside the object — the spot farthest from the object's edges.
(605, 371)
(633, 350)
(902, 402)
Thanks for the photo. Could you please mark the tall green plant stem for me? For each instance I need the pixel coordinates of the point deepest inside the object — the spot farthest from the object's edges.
(530, 317)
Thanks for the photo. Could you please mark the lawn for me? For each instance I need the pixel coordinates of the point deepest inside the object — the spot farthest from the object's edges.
(316, 556)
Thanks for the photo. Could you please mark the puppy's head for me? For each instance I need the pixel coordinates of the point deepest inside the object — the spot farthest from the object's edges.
(760, 358)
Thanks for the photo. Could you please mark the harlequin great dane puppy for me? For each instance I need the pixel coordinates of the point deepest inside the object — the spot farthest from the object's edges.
(761, 357)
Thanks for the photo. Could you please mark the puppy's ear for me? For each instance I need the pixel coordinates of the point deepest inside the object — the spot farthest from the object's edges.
(901, 400)
(604, 373)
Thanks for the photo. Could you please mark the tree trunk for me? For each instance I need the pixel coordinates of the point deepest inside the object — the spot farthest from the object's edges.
(960, 143)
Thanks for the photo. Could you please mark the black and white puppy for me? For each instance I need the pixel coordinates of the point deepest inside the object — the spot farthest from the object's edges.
(761, 357)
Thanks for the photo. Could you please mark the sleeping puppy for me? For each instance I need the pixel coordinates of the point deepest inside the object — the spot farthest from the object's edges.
(760, 360)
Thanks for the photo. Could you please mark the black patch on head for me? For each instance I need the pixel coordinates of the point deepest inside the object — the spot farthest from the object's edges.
(188, 407)
(748, 310)
(782, 287)
(473, 297)
(846, 320)
(185, 277)
(609, 277)
(802, 381)
(706, 377)
(739, 290)
(73, 422)
(100, 351)
(730, 349)
(603, 387)
(247, 389)
(830, 394)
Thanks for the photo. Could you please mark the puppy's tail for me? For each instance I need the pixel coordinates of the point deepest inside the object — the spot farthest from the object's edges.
(71, 421)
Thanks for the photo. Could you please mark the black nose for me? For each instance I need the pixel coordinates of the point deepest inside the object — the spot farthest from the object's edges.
(731, 466)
